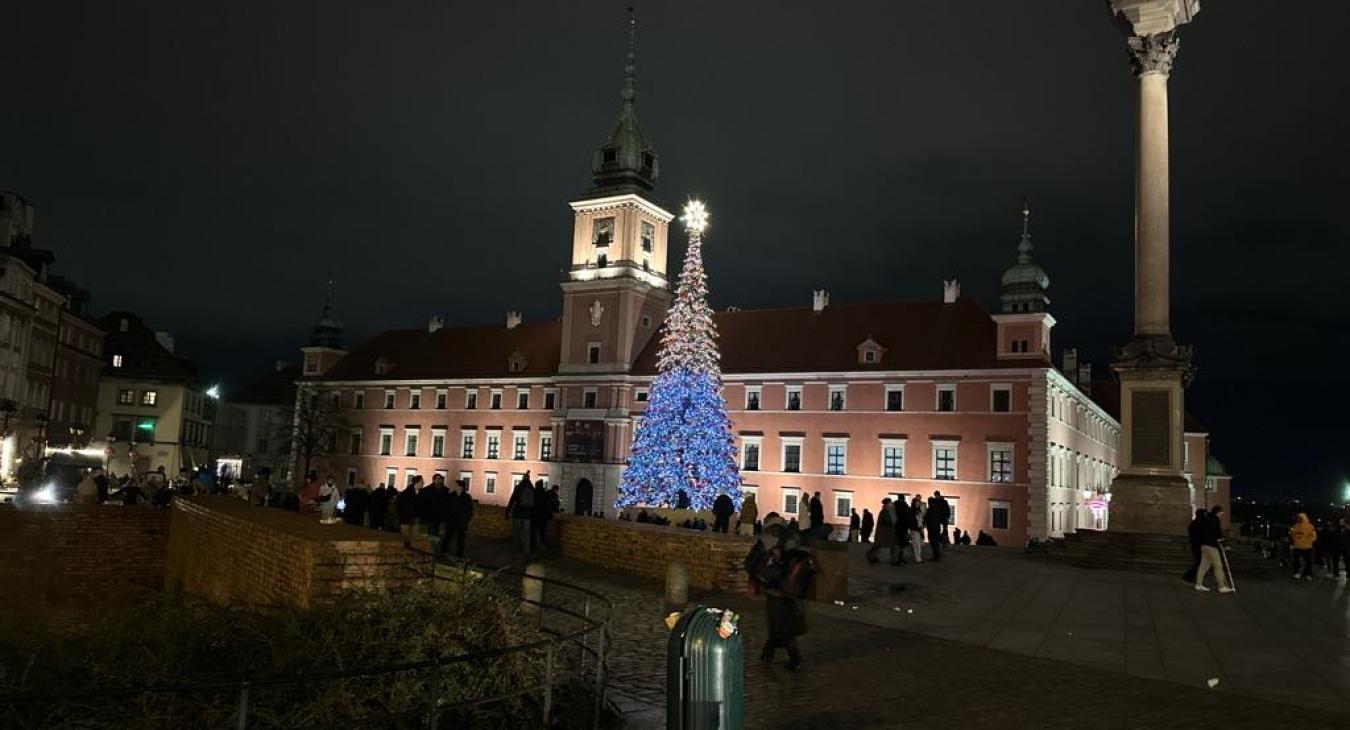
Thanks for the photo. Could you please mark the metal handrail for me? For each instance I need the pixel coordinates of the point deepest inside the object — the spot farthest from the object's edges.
(589, 624)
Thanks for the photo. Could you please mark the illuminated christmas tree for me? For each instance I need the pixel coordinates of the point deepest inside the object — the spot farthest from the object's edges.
(684, 440)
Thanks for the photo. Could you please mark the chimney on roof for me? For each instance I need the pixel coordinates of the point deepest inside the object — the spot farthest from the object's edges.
(1070, 367)
(820, 299)
(951, 291)
(435, 324)
(279, 365)
(165, 340)
(1085, 377)
(512, 319)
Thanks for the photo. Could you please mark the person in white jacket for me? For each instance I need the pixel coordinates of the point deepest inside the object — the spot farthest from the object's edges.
(328, 501)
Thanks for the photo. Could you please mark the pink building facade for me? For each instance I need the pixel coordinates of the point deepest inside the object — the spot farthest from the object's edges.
(855, 401)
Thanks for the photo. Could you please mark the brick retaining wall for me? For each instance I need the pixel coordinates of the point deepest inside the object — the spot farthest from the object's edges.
(64, 563)
(227, 551)
(714, 560)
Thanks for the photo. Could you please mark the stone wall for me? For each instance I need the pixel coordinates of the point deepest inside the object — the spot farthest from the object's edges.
(64, 563)
(714, 560)
(227, 551)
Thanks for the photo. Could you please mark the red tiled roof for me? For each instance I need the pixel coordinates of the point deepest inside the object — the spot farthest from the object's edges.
(917, 335)
(455, 352)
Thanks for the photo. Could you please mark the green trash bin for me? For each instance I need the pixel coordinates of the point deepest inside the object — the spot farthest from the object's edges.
(703, 671)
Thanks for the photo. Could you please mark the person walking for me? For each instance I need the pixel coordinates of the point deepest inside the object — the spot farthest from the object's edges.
(1195, 534)
(903, 516)
(854, 524)
(722, 510)
(745, 524)
(933, 521)
(781, 568)
(1303, 536)
(1210, 533)
(868, 522)
(519, 510)
(885, 532)
(458, 515)
(820, 528)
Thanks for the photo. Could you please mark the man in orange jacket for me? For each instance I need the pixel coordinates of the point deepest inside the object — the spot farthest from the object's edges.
(1303, 535)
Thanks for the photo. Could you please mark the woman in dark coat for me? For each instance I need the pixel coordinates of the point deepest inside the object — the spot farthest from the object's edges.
(885, 532)
(782, 602)
(867, 524)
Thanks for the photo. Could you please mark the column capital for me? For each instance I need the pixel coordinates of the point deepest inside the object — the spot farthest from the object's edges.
(1154, 54)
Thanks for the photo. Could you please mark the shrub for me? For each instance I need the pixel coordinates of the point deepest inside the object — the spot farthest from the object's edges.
(177, 640)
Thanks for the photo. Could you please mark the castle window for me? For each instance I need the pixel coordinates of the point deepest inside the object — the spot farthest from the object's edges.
(609, 154)
(648, 236)
(648, 160)
(602, 232)
(593, 353)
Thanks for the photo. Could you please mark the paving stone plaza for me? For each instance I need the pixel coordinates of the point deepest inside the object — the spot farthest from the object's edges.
(995, 638)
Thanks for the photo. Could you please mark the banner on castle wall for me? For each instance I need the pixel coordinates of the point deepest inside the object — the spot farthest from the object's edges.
(584, 441)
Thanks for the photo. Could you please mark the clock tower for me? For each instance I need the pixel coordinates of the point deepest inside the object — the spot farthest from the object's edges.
(615, 295)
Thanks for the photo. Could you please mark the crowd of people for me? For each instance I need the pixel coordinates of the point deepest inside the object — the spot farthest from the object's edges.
(155, 488)
(901, 525)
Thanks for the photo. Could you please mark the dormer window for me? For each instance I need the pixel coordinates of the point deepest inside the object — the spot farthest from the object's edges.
(517, 362)
(384, 366)
(870, 352)
(648, 160)
(609, 154)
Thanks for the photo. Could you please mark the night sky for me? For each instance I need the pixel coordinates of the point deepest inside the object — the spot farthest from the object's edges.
(206, 167)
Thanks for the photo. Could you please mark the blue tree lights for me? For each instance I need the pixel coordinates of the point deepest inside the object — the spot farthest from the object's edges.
(684, 440)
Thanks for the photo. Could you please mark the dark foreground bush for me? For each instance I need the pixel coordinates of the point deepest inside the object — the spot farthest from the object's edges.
(180, 641)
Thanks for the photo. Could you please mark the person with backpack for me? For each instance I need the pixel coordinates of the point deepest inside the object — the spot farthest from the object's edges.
(781, 568)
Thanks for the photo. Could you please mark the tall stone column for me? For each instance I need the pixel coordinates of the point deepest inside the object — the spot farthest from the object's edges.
(1151, 493)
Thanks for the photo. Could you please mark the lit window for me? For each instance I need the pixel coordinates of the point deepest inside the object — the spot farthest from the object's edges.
(519, 444)
(545, 446)
(149, 397)
(466, 445)
(835, 457)
(494, 446)
(893, 460)
(117, 359)
(1000, 463)
(126, 397)
(944, 461)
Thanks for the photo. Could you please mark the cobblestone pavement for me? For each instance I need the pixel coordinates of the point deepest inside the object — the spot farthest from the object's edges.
(860, 675)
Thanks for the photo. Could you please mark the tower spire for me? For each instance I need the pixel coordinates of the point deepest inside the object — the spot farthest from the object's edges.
(1025, 248)
(626, 162)
(629, 93)
(327, 331)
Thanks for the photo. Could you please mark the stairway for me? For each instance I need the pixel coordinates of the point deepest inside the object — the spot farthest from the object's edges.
(1147, 553)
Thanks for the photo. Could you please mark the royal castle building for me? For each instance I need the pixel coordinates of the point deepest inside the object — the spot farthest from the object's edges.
(854, 401)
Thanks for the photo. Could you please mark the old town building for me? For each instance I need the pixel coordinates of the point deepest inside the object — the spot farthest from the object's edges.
(153, 411)
(79, 365)
(855, 401)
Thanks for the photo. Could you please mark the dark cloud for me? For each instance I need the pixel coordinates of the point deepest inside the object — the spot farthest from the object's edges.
(207, 165)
